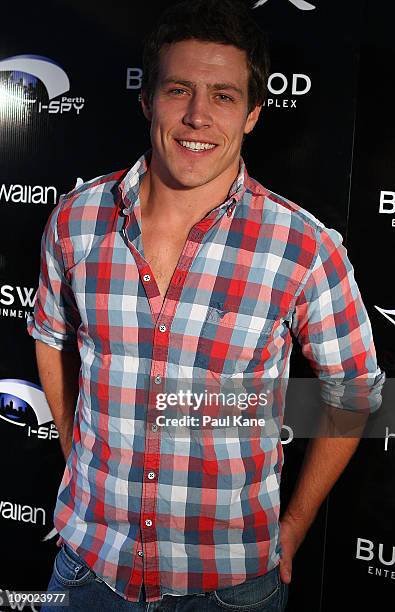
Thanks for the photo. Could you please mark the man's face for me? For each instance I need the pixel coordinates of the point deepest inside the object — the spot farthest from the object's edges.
(199, 113)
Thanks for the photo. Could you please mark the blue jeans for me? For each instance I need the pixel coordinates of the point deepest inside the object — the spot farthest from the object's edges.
(88, 593)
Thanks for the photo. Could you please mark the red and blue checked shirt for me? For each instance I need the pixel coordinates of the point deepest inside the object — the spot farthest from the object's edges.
(142, 506)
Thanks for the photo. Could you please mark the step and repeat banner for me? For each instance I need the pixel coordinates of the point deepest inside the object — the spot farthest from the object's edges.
(70, 77)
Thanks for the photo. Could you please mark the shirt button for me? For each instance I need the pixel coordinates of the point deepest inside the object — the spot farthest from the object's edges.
(140, 553)
(151, 475)
(148, 522)
(146, 277)
(154, 427)
(157, 379)
(162, 328)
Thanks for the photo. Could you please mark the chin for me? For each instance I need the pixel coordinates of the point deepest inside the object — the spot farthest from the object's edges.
(188, 184)
(188, 179)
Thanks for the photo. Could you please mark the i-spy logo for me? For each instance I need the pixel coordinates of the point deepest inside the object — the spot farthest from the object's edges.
(34, 81)
(24, 405)
(300, 4)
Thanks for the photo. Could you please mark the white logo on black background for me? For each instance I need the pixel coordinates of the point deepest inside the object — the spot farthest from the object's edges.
(23, 403)
(19, 77)
(26, 194)
(134, 78)
(367, 550)
(387, 204)
(286, 89)
(300, 4)
(23, 513)
(387, 313)
(18, 300)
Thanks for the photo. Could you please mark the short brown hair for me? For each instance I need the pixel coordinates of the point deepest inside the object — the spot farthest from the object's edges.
(221, 21)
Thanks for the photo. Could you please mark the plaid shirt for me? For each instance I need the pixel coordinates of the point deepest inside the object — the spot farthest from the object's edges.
(141, 506)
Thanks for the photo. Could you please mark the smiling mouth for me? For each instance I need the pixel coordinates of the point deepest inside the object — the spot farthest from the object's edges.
(191, 145)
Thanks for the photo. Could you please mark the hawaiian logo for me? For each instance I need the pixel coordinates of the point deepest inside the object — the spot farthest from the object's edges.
(28, 194)
(34, 80)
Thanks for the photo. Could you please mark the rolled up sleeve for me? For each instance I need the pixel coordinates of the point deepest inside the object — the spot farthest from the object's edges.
(332, 326)
(55, 318)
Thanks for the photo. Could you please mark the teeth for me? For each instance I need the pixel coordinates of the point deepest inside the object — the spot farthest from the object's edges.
(196, 146)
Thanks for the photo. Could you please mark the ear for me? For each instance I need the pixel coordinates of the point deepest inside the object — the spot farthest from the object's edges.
(146, 105)
(252, 118)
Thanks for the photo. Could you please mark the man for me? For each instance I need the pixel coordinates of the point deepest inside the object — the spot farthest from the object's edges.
(183, 267)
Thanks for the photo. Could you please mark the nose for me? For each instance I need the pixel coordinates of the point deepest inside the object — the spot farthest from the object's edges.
(198, 113)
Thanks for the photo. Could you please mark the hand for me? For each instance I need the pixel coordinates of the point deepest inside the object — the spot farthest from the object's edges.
(290, 540)
(59, 541)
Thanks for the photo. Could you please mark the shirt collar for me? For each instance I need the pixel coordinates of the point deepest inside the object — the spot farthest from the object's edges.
(237, 188)
(130, 184)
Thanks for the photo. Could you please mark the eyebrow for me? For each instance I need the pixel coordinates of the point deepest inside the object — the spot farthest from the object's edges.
(214, 86)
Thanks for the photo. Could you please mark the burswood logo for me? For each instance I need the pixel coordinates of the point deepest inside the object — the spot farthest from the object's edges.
(387, 205)
(20, 79)
(300, 4)
(16, 302)
(26, 194)
(284, 90)
(381, 557)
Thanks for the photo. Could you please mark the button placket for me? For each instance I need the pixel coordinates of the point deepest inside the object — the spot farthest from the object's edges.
(159, 358)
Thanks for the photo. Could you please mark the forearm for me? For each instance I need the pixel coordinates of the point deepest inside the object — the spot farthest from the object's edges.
(59, 371)
(324, 461)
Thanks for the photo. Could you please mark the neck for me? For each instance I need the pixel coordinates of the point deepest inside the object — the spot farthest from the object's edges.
(159, 198)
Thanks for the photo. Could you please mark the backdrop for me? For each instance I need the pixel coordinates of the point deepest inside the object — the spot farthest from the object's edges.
(70, 75)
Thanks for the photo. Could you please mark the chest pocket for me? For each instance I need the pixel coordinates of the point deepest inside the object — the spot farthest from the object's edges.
(233, 341)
